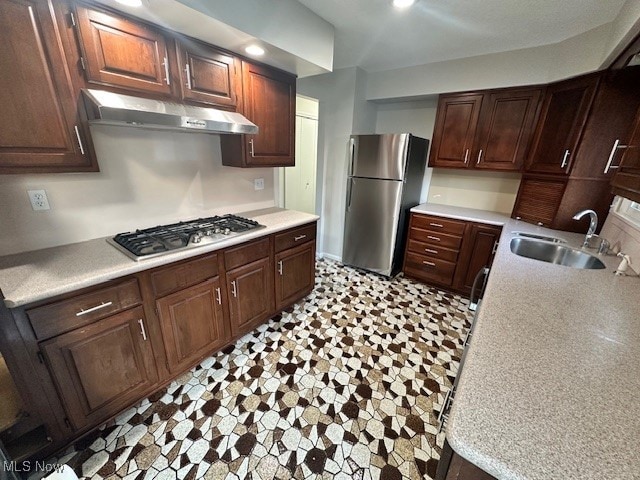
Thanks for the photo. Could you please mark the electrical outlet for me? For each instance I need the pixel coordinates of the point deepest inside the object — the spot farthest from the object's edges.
(258, 184)
(38, 199)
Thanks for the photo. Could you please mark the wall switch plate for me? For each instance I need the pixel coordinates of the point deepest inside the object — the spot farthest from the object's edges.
(38, 199)
(258, 184)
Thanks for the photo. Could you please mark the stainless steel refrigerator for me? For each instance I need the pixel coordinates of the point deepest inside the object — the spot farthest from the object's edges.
(384, 181)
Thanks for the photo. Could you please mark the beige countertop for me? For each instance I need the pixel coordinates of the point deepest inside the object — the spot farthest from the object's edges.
(549, 388)
(31, 276)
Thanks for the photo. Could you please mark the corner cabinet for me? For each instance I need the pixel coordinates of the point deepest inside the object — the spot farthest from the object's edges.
(41, 129)
(489, 130)
(562, 119)
(626, 181)
(269, 97)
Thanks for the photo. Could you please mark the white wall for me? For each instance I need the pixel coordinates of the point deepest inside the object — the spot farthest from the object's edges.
(577, 55)
(147, 178)
(336, 94)
(416, 117)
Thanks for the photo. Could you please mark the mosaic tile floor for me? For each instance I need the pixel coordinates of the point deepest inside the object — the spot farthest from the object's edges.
(345, 385)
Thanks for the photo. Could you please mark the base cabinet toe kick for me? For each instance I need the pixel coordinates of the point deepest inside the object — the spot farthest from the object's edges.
(80, 359)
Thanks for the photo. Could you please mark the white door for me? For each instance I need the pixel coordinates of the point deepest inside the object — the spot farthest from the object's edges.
(300, 181)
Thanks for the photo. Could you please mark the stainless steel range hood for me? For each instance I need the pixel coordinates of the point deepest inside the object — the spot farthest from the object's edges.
(108, 108)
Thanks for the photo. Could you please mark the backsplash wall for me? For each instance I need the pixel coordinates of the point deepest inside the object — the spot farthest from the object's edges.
(146, 178)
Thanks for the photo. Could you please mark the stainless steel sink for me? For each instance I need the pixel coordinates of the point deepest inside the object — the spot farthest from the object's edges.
(540, 237)
(554, 253)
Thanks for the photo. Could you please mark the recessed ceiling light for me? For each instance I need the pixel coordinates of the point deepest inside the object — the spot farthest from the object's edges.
(403, 3)
(130, 3)
(254, 50)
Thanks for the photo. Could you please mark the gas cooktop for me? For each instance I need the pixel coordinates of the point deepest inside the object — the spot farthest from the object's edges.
(155, 241)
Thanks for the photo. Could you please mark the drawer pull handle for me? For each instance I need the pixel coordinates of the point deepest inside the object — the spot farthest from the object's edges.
(431, 264)
(437, 239)
(428, 250)
(234, 290)
(143, 332)
(218, 296)
(93, 309)
(280, 267)
(299, 237)
(439, 225)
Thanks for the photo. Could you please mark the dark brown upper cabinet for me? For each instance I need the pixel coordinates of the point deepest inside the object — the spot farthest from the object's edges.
(507, 121)
(269, 101)
(626, 181)
(40, 125)
(207, 74)
(118, 52)
(486, 130)
(455, 129)
(562, 119)
(609, 125)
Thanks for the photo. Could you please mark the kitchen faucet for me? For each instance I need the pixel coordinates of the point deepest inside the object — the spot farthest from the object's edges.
(593, 216)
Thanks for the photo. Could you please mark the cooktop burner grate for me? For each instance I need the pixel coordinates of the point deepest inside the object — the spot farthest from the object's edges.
(165, 238)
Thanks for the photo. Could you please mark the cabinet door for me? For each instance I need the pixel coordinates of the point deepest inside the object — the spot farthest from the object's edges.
(192, 323)
(505, 129)
(295, 274)
(562, 118)
(455, 129)
(250, 291)
(269, 102)
(102, 368)
(477, 252)
(538, 200)
(119, 52)
(609, 126)
(39, 123)
(208, 75)
(626, 181)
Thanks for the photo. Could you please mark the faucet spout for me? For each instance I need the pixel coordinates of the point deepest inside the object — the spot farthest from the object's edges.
(593, 224)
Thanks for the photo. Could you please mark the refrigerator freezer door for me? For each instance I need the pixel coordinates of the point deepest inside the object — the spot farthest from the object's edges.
(371, 223)
(379, 156)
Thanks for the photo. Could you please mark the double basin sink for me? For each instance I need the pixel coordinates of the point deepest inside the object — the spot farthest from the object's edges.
(553, 250)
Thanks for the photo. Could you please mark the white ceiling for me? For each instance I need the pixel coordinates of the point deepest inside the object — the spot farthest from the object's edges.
(372, 34)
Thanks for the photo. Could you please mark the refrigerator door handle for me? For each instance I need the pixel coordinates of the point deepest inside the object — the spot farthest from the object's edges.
(352, 154)
(349, 189)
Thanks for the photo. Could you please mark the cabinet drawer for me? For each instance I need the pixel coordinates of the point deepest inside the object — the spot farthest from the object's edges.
(429, 268)
(436, 238)
(59, 317)
(294, 237)
(246, 253)
(433, 251)
(174, 277)
(438, 224)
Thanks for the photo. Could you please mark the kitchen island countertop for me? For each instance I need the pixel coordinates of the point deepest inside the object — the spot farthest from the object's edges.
(550, 382)
(37, 275)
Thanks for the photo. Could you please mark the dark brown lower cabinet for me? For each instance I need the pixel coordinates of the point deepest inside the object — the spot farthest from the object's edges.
(250, 293)
(192, 322)
(448, 253)
(295, 273)
(83, 357)
(477, 252)
(103, 367)
(453, 467)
